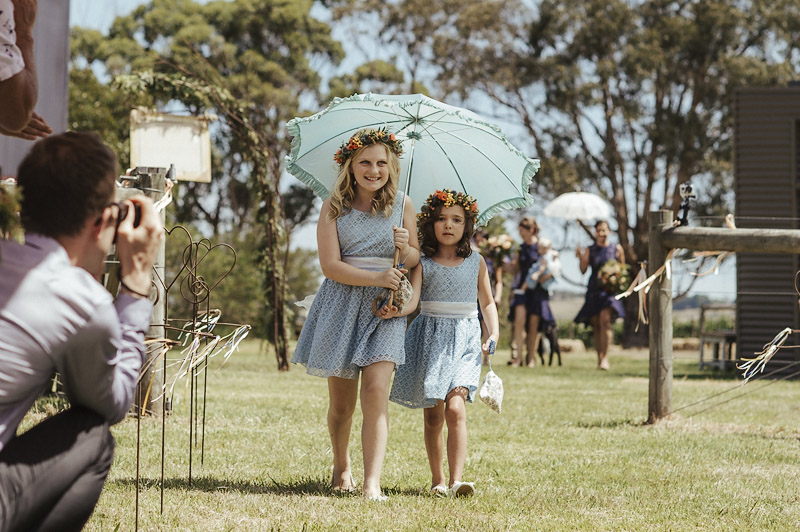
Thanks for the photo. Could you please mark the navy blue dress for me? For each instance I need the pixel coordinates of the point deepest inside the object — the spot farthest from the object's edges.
(526, 256)
(596, 298)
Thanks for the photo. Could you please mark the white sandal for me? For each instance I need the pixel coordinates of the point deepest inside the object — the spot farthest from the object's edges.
(439, 491)
(462, 489)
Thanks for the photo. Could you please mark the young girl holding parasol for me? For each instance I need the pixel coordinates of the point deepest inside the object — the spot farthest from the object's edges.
(342, 338)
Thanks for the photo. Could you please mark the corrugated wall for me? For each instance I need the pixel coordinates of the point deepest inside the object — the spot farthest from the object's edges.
(767, 173)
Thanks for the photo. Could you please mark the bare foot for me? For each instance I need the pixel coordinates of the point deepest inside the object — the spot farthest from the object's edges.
(374, 494)
(343, 482)
(604, 365)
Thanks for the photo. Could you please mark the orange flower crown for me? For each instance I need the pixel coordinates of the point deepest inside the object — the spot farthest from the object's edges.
(448, 198)
(366, 138)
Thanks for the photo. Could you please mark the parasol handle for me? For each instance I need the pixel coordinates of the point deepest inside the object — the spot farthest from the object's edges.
(394, 263)
(588, 231)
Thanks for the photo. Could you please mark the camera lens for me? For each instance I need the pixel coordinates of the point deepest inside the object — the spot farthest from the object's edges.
(123, 213)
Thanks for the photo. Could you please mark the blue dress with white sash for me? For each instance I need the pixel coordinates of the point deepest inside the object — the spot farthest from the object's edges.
(443, 343)
(341, 335)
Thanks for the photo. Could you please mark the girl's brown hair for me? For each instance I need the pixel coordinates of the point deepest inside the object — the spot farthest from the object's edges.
(427, 234)
(529, 223)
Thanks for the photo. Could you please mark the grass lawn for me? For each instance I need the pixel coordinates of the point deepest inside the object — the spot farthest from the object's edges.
(569, 452)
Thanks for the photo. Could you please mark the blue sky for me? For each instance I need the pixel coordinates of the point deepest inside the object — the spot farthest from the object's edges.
(99, 14)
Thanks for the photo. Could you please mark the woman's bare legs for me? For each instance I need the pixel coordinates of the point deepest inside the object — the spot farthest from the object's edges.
(455, 415)
(434, 442)
(375, 384)
(596, 335)
(342, 394)
(604, 338)
(602, 333)
(520, 313)
(533, 340)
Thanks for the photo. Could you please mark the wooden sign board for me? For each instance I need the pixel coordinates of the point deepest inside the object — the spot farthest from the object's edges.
(159, 139)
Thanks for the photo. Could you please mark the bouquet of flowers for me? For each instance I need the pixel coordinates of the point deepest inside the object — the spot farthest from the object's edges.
(499, 248)
(614, 277)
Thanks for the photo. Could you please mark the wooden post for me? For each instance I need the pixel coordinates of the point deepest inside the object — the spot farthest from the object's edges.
(660, 304)
(150, 181)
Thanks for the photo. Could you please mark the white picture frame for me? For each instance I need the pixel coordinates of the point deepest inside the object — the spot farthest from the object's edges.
(159, 140)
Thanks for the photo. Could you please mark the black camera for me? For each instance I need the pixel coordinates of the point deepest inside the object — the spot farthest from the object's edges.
(123, 213)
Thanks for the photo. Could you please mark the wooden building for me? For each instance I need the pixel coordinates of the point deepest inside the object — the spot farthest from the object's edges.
(767, 188)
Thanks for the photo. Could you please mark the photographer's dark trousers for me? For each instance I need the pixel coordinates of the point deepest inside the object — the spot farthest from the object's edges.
(51, 476)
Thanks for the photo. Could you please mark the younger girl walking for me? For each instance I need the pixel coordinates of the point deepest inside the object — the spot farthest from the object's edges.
(443, 344)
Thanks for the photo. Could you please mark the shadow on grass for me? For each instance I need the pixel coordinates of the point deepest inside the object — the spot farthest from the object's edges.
(610, 424)
(301, 486)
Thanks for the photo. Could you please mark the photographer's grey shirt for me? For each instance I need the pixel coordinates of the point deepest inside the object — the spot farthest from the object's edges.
(56, 317)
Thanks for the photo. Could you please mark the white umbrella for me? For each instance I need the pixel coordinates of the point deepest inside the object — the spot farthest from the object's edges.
(579, 206)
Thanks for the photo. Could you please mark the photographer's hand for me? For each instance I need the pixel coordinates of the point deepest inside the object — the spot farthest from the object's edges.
(138, 246)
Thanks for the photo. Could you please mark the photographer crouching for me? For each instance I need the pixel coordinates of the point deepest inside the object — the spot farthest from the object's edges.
(55, 316)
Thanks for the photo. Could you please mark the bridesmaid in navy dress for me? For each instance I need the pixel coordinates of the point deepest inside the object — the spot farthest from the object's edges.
(600, 308)
(518, 312)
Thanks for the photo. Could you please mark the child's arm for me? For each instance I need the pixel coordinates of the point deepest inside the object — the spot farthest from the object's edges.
(488, 307)
(544, 273)
(498, 285)
(330, 258)
(405, 239)
(415, 277)
(541, 270)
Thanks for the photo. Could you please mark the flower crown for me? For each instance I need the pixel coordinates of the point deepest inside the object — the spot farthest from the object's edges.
(448, 198)
(365, 138)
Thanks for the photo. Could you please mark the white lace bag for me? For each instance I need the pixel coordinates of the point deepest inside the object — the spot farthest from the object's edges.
(491, 391)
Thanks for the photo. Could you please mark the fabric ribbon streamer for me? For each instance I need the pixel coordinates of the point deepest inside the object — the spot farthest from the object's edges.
(751, 366)
(166, 199)
(640, 278)
(642, 284)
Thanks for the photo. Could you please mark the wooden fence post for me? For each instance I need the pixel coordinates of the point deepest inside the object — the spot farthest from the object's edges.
(660, 304)
(151, 182)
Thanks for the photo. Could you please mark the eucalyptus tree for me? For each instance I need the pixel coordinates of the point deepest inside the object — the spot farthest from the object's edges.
(262, 55)
(627, 98)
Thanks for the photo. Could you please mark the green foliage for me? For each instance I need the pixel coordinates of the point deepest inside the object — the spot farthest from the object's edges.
(684, 329)
(264, 53)
(624, 98)
(249, 62)
(235, 294)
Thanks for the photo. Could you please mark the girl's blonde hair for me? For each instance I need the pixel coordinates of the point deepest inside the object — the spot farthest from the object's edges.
(344, 189)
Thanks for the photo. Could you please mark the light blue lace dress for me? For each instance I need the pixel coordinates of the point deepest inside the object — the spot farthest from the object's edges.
(442, 353)
(341, 335)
